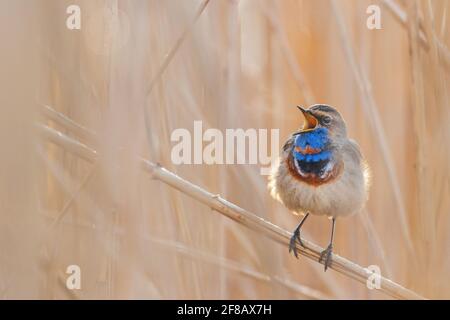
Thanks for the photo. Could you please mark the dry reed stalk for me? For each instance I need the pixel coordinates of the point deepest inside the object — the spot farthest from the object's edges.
(424, 73)
(419, 128)
(294, 66)
(240, 215)
(375, 240)
(154, 81)
(371, 109)
(402, 17)
(441, 96)
(220, 262)
(168, 59)
(71, 125)
(239, 268)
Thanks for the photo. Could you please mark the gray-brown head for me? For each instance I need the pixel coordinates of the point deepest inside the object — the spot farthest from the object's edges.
(322, 115)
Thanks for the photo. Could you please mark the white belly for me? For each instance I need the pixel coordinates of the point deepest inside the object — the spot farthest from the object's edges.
(343, 196)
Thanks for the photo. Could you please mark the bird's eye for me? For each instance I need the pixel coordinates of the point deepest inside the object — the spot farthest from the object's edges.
(326, 120)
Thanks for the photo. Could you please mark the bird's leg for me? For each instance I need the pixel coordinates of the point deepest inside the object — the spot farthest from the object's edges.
(296, 236)
(326, 254)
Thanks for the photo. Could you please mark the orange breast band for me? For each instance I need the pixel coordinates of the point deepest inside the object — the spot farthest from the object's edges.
(307, 150)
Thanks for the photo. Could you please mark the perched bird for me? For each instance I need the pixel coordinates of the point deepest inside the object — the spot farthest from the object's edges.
(321, 172)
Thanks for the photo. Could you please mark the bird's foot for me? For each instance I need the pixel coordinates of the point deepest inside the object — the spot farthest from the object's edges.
(325, 256)
(292, 243)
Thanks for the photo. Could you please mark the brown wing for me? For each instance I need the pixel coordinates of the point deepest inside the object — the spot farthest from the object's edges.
(352, 148)
(288, 144)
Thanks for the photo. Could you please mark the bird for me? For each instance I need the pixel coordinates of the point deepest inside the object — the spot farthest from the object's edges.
(320, 171)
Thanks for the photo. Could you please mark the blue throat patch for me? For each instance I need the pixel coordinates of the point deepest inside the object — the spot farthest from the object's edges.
(315, 139)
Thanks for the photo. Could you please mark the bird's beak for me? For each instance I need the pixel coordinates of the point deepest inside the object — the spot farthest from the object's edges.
(310, 121)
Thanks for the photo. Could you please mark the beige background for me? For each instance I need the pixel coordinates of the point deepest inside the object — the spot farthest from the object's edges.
(244, 64)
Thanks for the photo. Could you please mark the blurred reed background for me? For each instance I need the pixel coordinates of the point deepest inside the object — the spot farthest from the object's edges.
(237, 64)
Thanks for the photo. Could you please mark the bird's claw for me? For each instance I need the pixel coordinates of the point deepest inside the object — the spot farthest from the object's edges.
(292, 243)
(293, 246)
(325, 256)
